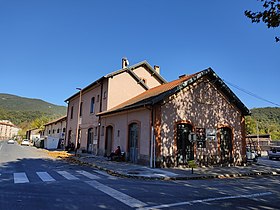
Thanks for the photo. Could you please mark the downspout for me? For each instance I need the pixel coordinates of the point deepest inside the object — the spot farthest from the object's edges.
(66, 141)
(153, 148)
(99, 117)
(152, 141)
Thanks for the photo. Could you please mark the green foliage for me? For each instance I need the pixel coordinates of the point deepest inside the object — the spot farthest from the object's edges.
(263, 121)
(40, 122)
(270, 14)
(192, 164)
(28, 113)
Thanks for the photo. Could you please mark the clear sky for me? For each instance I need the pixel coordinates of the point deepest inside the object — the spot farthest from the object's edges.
(50, 47)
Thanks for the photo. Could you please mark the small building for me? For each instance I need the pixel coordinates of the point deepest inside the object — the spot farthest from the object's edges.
(55, 131)
(261, 142)
(7, 130)
(33, 134)
(194, 118)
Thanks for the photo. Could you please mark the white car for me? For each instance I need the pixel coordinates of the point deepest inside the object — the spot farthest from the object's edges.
(251, 154)
(25, 142)
(11, 141)
(274, 152)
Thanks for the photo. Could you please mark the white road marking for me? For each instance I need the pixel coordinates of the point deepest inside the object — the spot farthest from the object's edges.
(126, 199)
(206, 200)
(20, 178)
(1, 146)
(88, 175)
(45, 177)
(67, 175)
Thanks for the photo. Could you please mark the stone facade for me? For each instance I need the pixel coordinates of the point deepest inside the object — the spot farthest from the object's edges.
(196, 118)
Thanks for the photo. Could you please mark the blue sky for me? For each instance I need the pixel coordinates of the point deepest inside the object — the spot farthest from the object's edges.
(50, 47)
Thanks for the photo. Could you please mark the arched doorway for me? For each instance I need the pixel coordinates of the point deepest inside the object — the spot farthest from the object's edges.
(69, 137)
(108, 140)
(133, 142)
(226, 145)
(185, 149)
(90, 141)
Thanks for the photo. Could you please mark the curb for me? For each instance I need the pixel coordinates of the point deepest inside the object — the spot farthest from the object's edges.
(167, 178)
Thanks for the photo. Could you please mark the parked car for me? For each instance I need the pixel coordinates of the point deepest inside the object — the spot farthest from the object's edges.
(274, 152)
(25, 142)
(251, 154)
(11, 141)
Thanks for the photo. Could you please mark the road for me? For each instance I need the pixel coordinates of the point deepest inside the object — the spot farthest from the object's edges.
(30, 180)
(271, 163)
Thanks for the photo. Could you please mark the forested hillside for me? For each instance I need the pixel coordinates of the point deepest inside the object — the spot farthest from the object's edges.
(23, 110)
(266, 120)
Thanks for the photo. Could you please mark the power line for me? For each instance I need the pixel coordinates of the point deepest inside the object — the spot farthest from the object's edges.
(250, 93)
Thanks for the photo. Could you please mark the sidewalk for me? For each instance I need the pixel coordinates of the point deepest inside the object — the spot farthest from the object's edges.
(129, 170)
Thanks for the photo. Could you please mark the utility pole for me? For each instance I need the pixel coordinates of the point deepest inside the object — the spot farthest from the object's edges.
(78, 120)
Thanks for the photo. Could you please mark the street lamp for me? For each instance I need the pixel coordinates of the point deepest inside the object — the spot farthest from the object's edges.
(78, 120)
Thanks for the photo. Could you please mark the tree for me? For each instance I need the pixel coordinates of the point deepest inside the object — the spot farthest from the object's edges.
(38, 123)
(270, 15)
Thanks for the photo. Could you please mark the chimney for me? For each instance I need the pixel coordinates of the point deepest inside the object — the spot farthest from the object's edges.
(181, 76)
(157, 69)
(125, 62)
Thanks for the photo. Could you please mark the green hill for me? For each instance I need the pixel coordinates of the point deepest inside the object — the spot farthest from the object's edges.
(21, 110)
(266, 120)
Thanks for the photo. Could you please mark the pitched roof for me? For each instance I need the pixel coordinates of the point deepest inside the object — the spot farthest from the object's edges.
(56, 120)
(129, 70)
(156, 94)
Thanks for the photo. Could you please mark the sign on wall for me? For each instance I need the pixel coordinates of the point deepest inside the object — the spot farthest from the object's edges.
(211, 134)
(201, 137)
(192, 137)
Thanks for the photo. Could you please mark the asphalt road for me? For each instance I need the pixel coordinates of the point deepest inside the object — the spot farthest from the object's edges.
(30, 180)
(274, 163)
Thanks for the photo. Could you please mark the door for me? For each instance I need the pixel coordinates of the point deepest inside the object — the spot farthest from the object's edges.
(108, 140)
(226, 145)
(69, 137)
(90, 141)
(133, 142)
(185, 149)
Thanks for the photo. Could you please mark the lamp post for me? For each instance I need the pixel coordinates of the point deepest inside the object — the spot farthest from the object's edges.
(78, 120)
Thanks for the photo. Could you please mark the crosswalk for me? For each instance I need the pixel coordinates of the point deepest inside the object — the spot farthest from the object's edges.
(53, 176)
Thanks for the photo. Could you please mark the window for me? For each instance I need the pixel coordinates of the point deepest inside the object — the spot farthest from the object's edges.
(53, 131)
(92, 105)
(97, 98)
(63, 130)
(57, 130)
(49, 131)
(81, 108)
(71, 114)
(105, 94)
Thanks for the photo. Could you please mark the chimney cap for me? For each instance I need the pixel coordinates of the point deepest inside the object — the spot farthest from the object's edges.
(125, 62)
(157, 68)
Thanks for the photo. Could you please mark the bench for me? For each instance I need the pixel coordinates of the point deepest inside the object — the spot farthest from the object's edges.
(120, 157)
